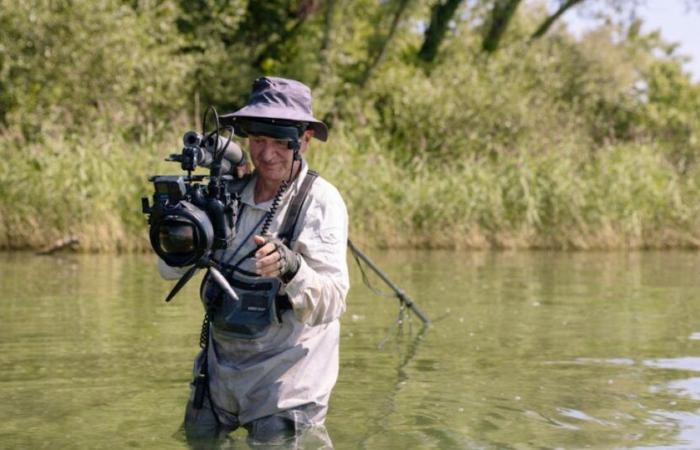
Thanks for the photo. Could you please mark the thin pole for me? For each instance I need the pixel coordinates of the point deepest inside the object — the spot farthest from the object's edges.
(399, 293)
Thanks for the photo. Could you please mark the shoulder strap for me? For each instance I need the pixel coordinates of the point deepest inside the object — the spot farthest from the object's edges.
(292, 216)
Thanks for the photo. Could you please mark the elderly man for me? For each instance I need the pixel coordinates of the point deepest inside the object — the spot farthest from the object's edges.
(272, 358)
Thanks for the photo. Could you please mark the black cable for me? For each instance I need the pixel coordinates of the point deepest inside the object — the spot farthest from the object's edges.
(398, 325)
(278, 197)
(218, 124)
(366, 282)
(204, 120)
(204, 368)
(219, 155)
(230, 136)
(273, 207)
(204, 333)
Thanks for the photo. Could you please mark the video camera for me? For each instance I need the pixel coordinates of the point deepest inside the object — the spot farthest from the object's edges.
(189, 219)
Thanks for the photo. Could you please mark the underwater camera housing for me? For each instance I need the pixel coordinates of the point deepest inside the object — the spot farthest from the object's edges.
(189, 219)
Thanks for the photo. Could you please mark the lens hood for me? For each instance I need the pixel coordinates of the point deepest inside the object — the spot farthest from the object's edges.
(181, 233)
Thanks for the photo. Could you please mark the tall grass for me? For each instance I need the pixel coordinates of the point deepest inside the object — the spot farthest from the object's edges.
(624, 196)
(84, 188)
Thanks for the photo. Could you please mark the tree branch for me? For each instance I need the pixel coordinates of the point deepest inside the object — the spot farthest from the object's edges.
(274, 43)
(544, 27)
(381, 53)
(324, 50)
(306, 9)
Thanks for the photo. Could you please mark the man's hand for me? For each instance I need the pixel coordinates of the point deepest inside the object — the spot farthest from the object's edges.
(242, 169)
(274, 259)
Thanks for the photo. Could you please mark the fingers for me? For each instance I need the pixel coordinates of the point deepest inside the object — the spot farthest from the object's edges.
(269, 265)
(267, 258)
(242, 170)
(265, 250)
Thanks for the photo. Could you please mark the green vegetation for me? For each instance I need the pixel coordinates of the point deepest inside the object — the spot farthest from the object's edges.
(549, 142)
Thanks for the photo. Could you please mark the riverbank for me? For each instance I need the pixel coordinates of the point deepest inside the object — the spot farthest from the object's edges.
(617, 197)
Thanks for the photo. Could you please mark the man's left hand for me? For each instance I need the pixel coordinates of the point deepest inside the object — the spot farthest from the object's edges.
(274, 259)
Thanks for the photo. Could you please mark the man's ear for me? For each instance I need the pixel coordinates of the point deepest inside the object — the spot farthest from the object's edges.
(306, 140)
(308, 134)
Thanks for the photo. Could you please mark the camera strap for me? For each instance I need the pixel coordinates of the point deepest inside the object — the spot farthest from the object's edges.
(286, 231)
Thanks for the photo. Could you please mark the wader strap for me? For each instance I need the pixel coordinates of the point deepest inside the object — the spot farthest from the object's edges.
(290, 220)
(282, 303)
(287, 230)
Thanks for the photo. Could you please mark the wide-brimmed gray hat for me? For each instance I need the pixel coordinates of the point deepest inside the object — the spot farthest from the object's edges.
(274, 98)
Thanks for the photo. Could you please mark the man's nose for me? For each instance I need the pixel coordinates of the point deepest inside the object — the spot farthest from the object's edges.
(267, 150)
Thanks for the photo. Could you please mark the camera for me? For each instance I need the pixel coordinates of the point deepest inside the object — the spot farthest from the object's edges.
(190, 219)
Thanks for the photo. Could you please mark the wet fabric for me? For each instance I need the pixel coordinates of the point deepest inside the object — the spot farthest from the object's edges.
(295, 362)
(208, 427)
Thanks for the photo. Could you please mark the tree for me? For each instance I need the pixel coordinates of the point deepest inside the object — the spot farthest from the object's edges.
(501, 15)
(440, 16)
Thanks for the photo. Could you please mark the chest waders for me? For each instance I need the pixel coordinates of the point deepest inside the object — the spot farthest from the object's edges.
(259, 306)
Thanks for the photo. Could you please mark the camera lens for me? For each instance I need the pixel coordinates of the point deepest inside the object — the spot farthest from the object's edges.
(176, 237)
(180, 233)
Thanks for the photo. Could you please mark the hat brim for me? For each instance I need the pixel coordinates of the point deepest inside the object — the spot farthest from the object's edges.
(266, 112)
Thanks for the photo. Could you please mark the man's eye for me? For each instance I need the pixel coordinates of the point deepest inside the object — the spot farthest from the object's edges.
(281, 142)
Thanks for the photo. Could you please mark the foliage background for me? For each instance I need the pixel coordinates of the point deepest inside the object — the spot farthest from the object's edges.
(548, 142)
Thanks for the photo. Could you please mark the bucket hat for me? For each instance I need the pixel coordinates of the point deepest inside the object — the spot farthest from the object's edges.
(274, 98)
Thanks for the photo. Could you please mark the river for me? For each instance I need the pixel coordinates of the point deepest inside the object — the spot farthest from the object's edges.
(526, 350)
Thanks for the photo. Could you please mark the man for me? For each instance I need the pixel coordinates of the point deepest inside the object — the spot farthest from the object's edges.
(274, 377)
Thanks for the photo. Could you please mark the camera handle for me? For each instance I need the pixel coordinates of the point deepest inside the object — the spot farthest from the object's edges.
(221, 280)
(206, 262)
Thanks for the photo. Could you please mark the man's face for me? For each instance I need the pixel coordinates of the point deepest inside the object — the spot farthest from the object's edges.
(272, 157)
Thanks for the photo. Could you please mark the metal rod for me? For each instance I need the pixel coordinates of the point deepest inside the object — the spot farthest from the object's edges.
(219, 278)
(399, 293)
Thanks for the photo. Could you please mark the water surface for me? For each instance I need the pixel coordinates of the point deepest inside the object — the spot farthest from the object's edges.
(527, 350)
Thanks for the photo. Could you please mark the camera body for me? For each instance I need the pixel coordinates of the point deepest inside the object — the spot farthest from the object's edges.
(188, 219)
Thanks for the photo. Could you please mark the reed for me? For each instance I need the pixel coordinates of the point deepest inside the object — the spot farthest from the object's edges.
(624, 196)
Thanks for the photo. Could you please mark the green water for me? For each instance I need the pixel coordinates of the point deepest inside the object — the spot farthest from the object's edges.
(527, 350)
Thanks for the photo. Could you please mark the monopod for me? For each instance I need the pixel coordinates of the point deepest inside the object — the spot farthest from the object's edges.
(401, 295)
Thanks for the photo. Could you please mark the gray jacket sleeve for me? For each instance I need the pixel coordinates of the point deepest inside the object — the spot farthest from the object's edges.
(318, 290)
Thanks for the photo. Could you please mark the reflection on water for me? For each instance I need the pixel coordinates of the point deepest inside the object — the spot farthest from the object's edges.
(687, 387)
(527, 350)
(687, 363)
